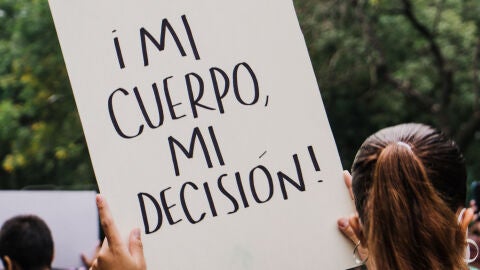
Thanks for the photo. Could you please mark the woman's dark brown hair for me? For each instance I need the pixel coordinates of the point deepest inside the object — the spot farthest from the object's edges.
(409, 180)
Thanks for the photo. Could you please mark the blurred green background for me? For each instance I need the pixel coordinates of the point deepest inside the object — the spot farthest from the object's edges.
(378, 63)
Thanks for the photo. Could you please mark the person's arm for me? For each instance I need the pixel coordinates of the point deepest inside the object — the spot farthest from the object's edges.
(115, 254)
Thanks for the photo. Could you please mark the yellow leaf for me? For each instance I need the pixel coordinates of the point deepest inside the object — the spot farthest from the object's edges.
(8, 164)
(61, 154)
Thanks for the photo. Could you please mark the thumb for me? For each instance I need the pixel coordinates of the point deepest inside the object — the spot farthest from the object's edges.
(135, 246)
(347, 230)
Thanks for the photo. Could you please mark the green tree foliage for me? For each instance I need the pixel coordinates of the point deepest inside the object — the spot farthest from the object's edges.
(383, 62)
(378, 62)
(41, 141)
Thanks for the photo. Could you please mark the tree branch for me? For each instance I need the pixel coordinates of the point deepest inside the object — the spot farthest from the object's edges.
(383, 71)
(445, 74)
(406, 87)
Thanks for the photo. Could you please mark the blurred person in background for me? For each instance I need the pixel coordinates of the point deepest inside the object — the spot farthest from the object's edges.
(26, 244)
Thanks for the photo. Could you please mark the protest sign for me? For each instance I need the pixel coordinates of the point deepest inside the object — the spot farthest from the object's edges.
(71, 216)
(206, 129)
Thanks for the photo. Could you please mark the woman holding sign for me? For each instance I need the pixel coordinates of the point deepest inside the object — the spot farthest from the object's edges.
(409, 187)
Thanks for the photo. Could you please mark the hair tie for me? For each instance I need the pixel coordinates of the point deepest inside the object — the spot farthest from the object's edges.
(406, 145)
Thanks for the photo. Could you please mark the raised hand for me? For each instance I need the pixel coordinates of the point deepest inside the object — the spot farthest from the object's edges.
(115, 254)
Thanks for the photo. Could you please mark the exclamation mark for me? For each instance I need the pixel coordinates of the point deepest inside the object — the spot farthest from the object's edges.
(314, 161)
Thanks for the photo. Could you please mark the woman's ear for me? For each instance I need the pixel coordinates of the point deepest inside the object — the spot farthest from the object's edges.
(8, 263)
(466, 219)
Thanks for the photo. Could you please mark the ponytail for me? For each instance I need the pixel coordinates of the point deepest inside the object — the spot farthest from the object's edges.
(407, 223)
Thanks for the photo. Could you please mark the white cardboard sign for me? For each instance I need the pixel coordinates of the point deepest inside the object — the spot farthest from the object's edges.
(206, 129)
(71, 216)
